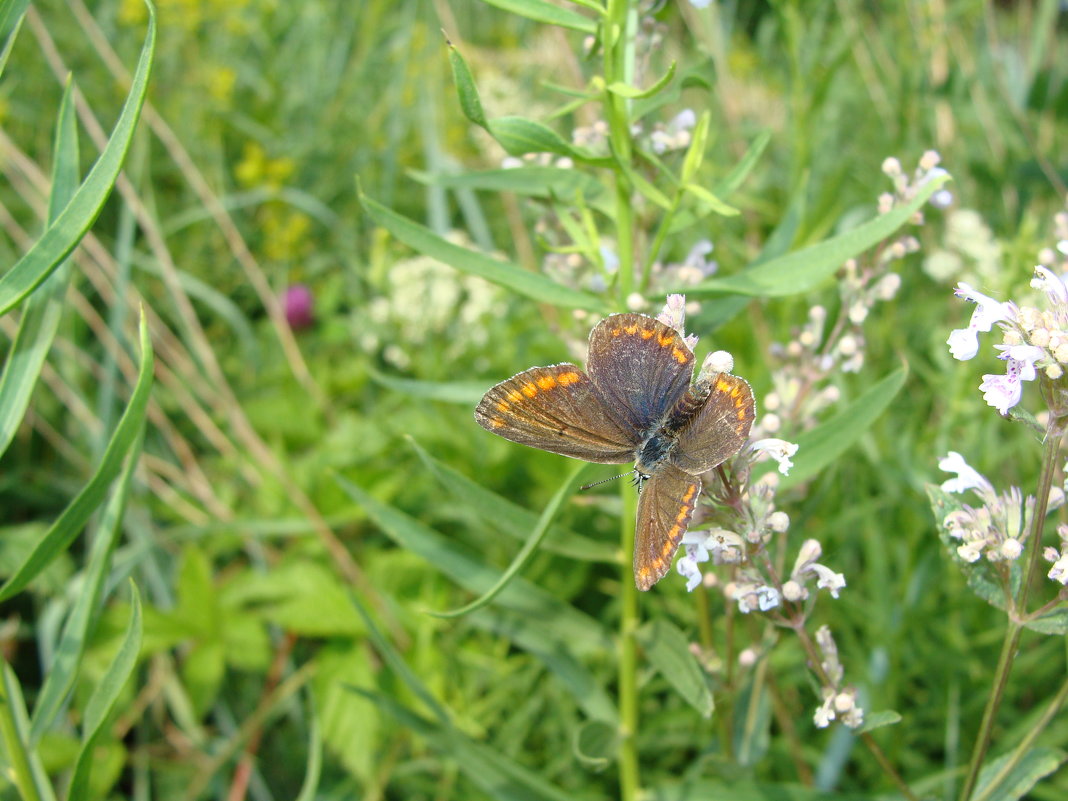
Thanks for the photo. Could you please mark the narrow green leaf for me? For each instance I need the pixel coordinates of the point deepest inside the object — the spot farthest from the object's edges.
(825, 443)
(545, 182)
(742, 169)
(695, 154)
(876, 720)
(633, 92)
(40, 318)
(466, 393)
(511, 519)
(806, 269)
(710, 200)
(104, 696)
(23, 766)
(647, 188)
(531, 285)
(519, 136)
(1000, 781)
(309, 787)
(63, 235)
(70, 522)
(470, 103)
(583, 633)
(542, 11)
(64, 668)
(11, 16)
(537, 534)
(669, 652)
(499, 777)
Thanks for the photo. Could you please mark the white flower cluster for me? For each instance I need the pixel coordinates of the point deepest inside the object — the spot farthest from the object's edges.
(1059, 557)
(838, 702)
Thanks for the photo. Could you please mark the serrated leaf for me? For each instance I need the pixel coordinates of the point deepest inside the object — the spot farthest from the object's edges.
(67, 230)
(669, 652)
(523, 282)
(542, 11)
(820, 446)
(804, 270)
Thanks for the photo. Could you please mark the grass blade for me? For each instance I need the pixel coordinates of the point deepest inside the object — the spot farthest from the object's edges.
(67, 230)
(70, 522)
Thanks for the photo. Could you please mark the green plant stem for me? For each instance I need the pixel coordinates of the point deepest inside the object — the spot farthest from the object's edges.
(21, 772)
(1017, 611)
(617, 54)
(629, 781)
(1025, 745)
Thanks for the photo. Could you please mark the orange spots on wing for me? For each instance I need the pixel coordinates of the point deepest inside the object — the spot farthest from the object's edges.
(669, 544)
(680, 355)
(496, 422)
(529, 390)
(632, 329)
(742, 414)
(566, 379)
(502, 406)
(689, 493)
(723, 386)
(647, 333)
(665, 339)
(514, 396)
(546, 382)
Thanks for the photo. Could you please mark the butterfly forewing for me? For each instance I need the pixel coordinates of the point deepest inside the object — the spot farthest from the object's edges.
(719, 429)
(640, 366)
(665, 506)
(557, 409)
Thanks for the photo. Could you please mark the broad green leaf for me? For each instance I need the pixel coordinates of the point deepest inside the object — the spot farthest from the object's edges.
(67, 230)
(511, 519)
(876, 720)
(299, 595)
(825, 443)
(543, 11)
(40, 318)
(545, 182)
(530, 547)
(669, 652)
(465, 393)
(70, 522)
(1007, 780)
(500, 777)
(596, 744)
(804, 270)
(531, 285)
(582, 633)
(350, 726)
(104, 696)
(470, 102)
(64, 668)
(633, 92)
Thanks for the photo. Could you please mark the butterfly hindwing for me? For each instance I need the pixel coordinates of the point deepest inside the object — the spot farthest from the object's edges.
(640, 366)
(665, 506)
(556, 409)
(720, 427)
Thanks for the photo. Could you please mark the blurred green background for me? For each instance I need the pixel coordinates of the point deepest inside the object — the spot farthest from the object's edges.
(241, 183)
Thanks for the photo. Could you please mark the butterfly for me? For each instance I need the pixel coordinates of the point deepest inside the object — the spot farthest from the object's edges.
(635, 402)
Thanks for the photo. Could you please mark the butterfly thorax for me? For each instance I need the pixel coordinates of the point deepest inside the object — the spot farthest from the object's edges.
(658, 444)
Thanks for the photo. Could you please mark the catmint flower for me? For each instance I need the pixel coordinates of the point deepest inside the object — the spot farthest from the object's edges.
(298, 305)
(964, 342)
(674, 313)
(778, 449)
(967, 476)
(755, 595)
(806, 564)
(942, 199)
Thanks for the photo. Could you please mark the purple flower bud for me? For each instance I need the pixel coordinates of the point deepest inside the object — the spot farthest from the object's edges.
(299, 305)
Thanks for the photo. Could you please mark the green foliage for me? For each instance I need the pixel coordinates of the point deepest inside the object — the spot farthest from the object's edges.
(228, 543)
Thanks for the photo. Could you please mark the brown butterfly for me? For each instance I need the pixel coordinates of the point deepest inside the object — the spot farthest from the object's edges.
(635, 403)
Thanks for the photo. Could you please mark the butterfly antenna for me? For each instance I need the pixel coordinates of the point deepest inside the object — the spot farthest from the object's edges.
(603, 481)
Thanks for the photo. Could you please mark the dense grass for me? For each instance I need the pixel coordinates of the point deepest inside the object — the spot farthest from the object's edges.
(304, 499)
